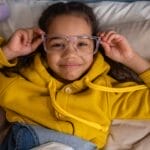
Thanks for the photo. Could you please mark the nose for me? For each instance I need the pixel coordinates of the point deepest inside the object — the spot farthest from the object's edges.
(70, 48)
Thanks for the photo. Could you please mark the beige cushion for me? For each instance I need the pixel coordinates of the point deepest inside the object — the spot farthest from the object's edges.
(129, 135)
(138, 35)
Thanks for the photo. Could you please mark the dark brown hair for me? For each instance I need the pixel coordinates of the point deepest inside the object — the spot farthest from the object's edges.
(70, 8)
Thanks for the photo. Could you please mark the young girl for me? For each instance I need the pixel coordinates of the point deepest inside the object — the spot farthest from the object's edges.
(63, 84)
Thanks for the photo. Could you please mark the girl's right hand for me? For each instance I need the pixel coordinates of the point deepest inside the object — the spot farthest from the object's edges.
(23, 42)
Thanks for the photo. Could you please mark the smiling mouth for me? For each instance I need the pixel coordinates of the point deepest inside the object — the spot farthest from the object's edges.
(70, 65)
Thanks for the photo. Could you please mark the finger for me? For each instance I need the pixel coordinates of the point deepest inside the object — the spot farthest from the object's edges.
(106, 47)
(108, 34)
(100, 34)
(113, 38)
(22, 35)
(36, 43)
(38, 31)
(33, 33)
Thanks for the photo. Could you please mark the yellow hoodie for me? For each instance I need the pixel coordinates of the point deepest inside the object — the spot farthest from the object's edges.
(84, 108)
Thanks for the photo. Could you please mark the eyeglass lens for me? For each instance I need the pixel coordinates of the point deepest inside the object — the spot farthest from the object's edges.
(82, 44)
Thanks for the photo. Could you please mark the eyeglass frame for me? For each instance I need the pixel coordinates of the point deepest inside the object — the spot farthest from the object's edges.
(69, 38)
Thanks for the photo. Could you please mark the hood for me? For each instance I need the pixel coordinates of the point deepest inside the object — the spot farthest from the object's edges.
(37, 73)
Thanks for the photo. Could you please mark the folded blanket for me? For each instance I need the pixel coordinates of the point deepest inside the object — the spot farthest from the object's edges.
(129, 135)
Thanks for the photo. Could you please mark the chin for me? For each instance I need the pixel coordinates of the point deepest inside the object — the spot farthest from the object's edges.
(71, 78)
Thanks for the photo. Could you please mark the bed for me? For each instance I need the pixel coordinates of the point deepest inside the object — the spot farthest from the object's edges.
(130, 18)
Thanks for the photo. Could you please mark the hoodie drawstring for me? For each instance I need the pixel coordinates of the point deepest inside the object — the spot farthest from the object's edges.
(52, 92)
(110, 89)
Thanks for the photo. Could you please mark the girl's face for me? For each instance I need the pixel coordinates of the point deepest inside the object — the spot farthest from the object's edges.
(67, 58)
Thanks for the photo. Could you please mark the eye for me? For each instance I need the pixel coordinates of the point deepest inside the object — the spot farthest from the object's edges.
(57, 45)
(82, 44)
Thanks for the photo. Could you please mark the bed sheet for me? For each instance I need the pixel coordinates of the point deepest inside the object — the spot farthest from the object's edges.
(25, 13)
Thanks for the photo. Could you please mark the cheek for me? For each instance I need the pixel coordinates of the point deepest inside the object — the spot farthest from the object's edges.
(89, 59)
(52, 60)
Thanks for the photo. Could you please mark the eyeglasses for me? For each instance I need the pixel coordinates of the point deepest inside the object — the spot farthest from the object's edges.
(83, 44)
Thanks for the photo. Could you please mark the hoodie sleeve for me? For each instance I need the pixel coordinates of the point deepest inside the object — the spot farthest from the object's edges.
(3, 59)
(134, 104)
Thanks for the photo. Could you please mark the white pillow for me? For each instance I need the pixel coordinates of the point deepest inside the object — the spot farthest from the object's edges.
(25, 13)
(137, 33)
(110, 13)
(129, 135)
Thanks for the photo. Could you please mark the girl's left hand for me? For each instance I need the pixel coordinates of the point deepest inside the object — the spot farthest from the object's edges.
(116, 46)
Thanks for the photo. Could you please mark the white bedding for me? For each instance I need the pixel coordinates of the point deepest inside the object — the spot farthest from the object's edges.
(110, 13)
(129, 135)
(25, 13)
